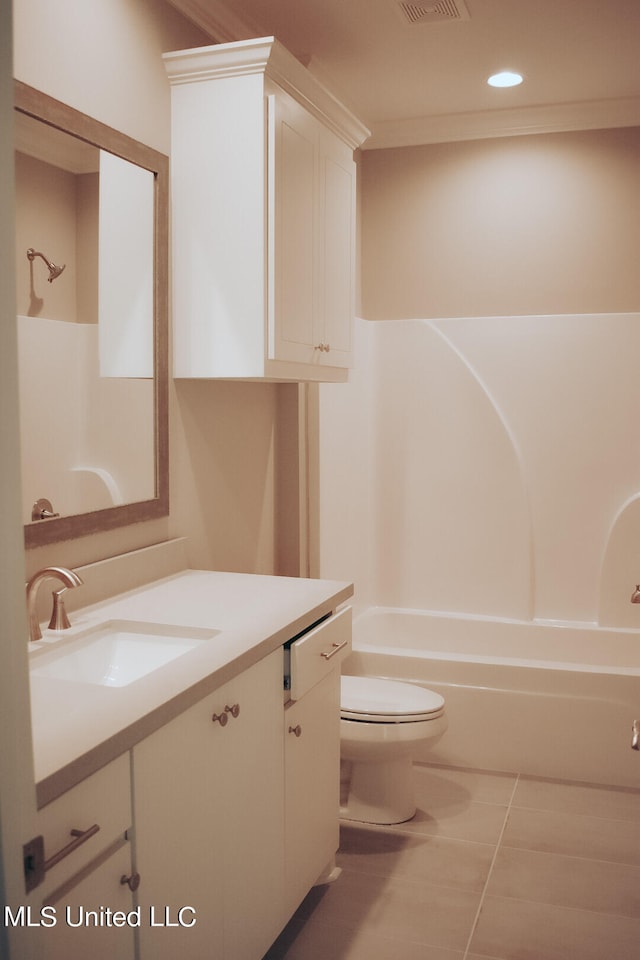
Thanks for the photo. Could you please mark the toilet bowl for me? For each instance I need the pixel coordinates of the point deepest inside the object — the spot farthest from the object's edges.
(382, 722)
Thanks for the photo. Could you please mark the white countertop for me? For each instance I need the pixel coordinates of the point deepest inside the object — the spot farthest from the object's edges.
(79, 727)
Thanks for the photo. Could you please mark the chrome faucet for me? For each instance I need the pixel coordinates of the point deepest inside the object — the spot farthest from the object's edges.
(59, 619)
(635, 596)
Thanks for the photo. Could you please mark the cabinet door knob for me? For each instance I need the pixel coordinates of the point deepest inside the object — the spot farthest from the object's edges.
(133, 882)
(297, 730)
(234, 710)
(222, 718)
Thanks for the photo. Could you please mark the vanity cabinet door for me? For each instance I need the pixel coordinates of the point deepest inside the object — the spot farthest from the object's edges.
(208, 800)
(177, 805)
(312, 754)
(312, 796)
(94, 913)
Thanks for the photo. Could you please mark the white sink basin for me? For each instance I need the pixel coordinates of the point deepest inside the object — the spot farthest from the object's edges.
(117, 652)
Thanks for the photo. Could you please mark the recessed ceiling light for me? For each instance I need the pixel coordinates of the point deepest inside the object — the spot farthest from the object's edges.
(506, 78)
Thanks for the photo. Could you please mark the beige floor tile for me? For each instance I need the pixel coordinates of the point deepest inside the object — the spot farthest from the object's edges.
(476, 956)
(579, 836)
(386, 853)
(479, 785)
(395, 909)
(321, 941)
(533, 931)
(567, 882)
(480, 822)
(569, 797)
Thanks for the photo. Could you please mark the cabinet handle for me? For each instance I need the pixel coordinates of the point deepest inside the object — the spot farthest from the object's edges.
(323, 347)
(234, 710)
(297, 730)
(80, 837)
(336, 648)
(133, 882)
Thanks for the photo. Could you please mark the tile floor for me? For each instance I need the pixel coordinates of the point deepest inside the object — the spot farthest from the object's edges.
(492, 867)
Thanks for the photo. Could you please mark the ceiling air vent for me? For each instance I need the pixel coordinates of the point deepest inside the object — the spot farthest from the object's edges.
(433, 11)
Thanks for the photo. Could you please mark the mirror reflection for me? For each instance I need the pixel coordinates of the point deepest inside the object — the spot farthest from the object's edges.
(93, 438)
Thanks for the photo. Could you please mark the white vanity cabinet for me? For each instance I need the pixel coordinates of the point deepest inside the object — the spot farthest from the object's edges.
(312, 755)
(86, 901)
(208, 802)
(263, 199)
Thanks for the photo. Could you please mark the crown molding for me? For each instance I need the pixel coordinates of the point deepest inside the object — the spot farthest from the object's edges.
(480, 125)
(267, 57)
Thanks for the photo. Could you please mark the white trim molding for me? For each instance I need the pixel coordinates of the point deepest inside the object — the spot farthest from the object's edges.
(480, 125)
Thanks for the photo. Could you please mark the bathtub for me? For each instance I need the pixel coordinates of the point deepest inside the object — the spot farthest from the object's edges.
(547, 699)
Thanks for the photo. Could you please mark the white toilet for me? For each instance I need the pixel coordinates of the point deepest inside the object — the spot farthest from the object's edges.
(381, 724)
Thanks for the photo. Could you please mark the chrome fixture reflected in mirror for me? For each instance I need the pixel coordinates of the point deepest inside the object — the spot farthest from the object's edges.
(96, 352)
(43, 510)
(54, 271)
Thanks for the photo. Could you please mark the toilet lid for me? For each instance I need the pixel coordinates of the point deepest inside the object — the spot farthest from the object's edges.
(377, 700)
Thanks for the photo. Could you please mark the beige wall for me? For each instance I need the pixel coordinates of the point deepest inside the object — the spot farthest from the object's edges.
(103, 57)
(520, 225)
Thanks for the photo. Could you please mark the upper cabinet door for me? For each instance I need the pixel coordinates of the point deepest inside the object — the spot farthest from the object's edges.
(338, 249)
(263, 191)
(293, 233)
(312, 238)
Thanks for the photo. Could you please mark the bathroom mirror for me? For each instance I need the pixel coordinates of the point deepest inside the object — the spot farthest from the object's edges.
(92, 210)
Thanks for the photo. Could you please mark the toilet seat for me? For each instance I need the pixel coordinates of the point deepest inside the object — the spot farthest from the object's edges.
(376, 700)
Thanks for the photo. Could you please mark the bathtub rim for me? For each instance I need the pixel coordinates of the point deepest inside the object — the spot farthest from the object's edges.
(591, 627)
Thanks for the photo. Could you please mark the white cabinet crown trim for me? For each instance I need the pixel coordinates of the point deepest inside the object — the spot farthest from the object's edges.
(267, 56)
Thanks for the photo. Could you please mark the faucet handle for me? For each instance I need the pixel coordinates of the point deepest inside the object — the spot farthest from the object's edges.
(59, 619)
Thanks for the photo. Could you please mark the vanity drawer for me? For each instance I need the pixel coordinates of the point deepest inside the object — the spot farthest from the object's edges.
(319, 652)
(103, 799)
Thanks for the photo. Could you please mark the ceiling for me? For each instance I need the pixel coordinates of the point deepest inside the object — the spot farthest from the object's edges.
(425, 81)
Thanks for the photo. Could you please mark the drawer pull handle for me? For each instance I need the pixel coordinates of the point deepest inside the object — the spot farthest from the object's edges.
(234, 710)
(133, 882)
(336, 648)
(297, 730)
(80, 837)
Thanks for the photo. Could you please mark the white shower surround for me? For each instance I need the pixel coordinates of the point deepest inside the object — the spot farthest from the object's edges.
(487, 465)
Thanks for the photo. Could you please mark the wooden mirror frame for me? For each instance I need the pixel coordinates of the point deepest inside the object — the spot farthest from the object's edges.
(41, 107)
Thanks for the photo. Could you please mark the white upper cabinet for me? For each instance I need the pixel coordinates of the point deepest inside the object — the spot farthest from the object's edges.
(263, 208)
